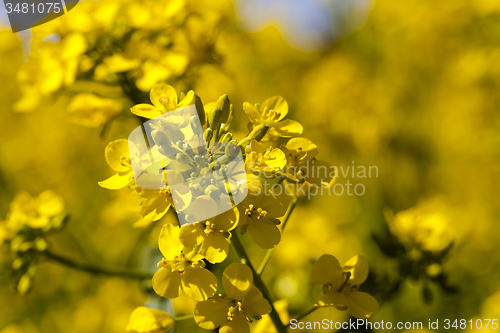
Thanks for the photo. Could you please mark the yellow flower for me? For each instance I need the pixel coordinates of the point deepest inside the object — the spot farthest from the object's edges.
(232, 311)
(36, 213)
(259, 213)
(157, 201)
(341, 285)
(92, 111)
(145, 320)
(271, 113)
(426, 226)
(181, 269)
(164, 99)
(264, 162)
(210, 234)
(303, 170)
(118, 158)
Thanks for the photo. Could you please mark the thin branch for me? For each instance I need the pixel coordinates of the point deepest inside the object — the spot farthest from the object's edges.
(92, 269)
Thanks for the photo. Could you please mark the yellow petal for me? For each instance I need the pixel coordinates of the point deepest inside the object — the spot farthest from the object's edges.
(358, 266)
(117, 181)
(166, 283)
(168, 242)
(202, 207)
(163, 91)
(276, 103)
(264, 232)
(334, 298)
(287, 128)
(145, 320)
(188, 99)
(327, 270)
(275, 205)
(237, 278)
(254, 303)
(146, 111)
(115, 153)
(239, 324)
(228, 220)
(252, 113)
(361, 305)
(211, 313)
(192, 235)
(215, 248)
(199, 283)
(302, 144)
(155, 208)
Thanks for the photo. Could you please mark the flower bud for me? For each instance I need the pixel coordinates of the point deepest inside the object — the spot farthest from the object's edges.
(208, 134)
(200, 109)
(224, 105)
(172, 131)
(226, 138)
(167, 151)
(214, 118)
(227, 124)
(195, 124)
(206, 172)
(232, 149)
(160, 138)
(246, 141)
(183, 158)
(200, 161)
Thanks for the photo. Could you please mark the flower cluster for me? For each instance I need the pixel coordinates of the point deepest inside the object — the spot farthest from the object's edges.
(108, 54)
(28, 222)
(218, 186)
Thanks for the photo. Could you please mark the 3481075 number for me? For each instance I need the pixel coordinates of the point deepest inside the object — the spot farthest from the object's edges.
(40, 8)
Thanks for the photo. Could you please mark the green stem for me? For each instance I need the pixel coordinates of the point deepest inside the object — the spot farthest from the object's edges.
(185, 317)
(132, 274)
(269, 253)
(305, 314)
(240, 250)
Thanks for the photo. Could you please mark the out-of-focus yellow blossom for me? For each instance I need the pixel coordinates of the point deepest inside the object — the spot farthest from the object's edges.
(34, 212)
(271, 113)
(233, 310)
(210, 235)
(259, 213)
(146, 320)
(422, 226)
(91, 110)
(264, 161)
(181, 269)
(53, 65)
(341, 285)
(164, 99)
(118, 157)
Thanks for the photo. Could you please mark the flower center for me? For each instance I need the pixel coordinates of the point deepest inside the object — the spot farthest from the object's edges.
(259, 211)
(125, 161)
(166, 191)
(270, 115)
(178, 264)
(168, 103)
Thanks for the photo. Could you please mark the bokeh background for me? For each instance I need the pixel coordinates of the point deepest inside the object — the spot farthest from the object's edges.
(411, 87)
